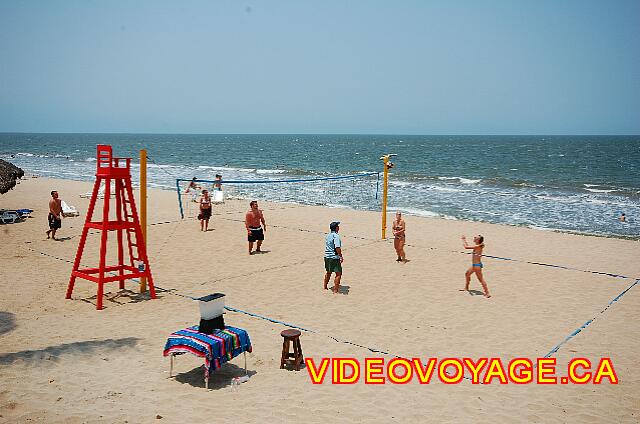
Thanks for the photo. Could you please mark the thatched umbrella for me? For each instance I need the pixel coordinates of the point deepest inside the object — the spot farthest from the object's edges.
(9, 173)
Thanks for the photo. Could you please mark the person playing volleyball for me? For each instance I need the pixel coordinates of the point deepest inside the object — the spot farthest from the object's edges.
(476, 263)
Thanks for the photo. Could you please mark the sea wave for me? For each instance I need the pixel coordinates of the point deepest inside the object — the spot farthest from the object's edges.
(422, 212)
(596, 190)
(461, 180)
(271, 171)
(447, 189)
(154, 165)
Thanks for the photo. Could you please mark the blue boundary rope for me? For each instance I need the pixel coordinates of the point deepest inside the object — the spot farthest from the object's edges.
(586, 324)
(557, 266)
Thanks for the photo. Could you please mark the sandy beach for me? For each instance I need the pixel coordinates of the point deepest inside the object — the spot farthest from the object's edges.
(61, 361)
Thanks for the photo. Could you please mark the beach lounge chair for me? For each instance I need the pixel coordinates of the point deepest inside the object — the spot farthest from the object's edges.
(9, 217)
(69, 211)
(101, 191)
(24, 213)
(217, 196)
(88, 194)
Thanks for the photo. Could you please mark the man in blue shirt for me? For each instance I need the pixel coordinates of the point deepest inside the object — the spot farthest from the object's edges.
(333, 257)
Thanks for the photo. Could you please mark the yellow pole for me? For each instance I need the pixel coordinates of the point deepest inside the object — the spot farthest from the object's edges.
(143, 209)
(385, 160)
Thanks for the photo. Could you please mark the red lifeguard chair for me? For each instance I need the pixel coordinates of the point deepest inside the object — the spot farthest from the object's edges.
(116, 170)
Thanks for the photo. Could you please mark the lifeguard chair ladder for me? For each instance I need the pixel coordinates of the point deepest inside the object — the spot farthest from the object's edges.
(116, 170)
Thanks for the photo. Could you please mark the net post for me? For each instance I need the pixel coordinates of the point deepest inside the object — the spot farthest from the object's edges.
(179, 197)
(386, 159)
(143, 208)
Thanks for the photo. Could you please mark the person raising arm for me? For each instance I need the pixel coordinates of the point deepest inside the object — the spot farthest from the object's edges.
(476, 263)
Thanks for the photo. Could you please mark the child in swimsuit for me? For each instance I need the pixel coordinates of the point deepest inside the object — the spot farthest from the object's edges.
(476, 263)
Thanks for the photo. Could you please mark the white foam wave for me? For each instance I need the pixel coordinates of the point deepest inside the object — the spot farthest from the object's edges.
(530, 185)
(461, 179)
(153, 165)
(270, 171)
(597, 201)
(229, 169)
(337, 206)
(447, 189)
(468, 181)
(504, 194)
(555, 198)
(595, 190)
(215, 168)
(539, 228)
(422, 212)
(400, 184)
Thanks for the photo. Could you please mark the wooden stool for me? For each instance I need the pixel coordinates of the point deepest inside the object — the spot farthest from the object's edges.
(291, 336)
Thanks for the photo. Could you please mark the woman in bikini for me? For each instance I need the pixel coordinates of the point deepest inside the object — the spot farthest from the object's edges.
(476, 263)
(399, 237)
(205, 211)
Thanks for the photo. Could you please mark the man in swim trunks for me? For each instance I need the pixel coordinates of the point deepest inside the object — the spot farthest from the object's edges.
(205, 211)
(55, 215)
(476, 263)
(333, 257)
(256, 226)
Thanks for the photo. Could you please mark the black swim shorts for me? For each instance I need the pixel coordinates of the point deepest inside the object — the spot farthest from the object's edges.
(54, 223)
(255, 234)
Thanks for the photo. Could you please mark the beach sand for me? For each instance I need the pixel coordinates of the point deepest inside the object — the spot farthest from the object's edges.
(63, 361)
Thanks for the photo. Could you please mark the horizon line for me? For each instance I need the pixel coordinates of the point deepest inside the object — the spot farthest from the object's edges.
(342, 134)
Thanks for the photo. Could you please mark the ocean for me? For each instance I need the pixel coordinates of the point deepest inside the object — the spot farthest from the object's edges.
(577, 184)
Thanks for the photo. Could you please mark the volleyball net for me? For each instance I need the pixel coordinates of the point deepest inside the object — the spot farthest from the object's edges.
(358, 191)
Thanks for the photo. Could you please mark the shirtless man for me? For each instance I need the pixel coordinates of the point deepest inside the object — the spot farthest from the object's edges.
(217, 185)
(254, 222)
(55, 215)
(399, 237)
(193, 188)
(205, 211)
(476, 263)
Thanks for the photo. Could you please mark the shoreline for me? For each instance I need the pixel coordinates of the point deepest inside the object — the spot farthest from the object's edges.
(390, 211)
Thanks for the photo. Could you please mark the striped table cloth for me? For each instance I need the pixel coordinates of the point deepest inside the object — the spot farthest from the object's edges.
(216, 349)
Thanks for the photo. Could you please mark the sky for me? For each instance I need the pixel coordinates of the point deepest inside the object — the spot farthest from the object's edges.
(313, 67)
